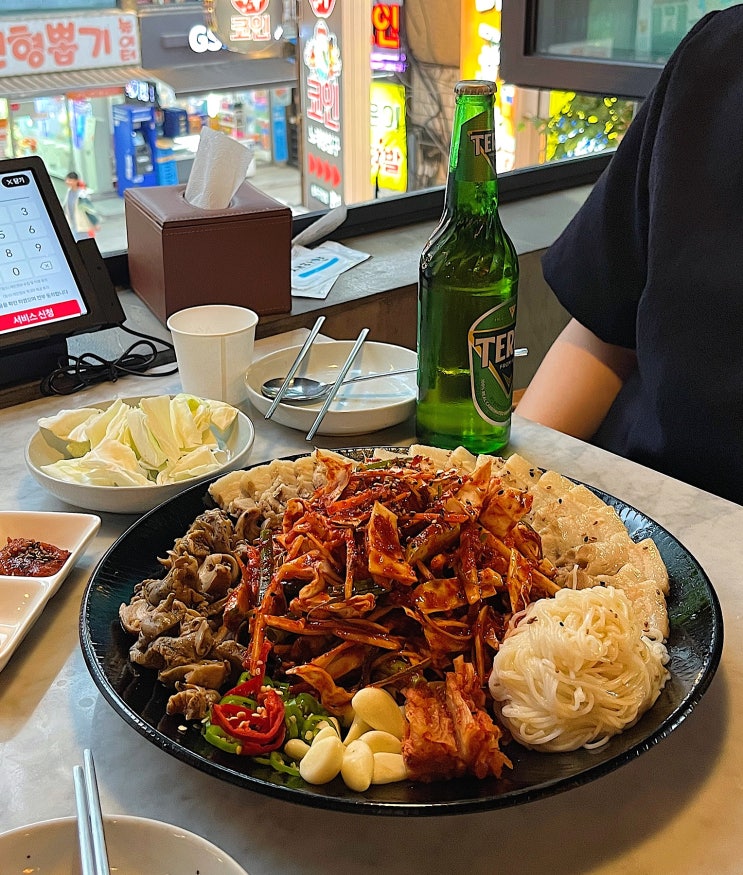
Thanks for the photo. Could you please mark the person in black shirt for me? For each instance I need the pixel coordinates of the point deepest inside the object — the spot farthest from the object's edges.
(651, 271)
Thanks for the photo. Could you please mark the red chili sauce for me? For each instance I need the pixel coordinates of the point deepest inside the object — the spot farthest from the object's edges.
(23, 557)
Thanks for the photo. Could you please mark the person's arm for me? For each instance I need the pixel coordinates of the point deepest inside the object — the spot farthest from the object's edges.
(576, 383)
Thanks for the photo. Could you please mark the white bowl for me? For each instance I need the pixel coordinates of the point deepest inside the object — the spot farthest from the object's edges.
(357, 408)
(22, 599)
(130, 499)
(135, 846)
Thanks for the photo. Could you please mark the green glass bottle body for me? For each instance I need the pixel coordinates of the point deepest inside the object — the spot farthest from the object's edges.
(467, 294)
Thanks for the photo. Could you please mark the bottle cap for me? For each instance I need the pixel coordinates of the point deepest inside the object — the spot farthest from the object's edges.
(483, 87)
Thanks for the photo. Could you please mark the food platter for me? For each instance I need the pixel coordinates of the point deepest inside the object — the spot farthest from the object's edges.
(694, 646)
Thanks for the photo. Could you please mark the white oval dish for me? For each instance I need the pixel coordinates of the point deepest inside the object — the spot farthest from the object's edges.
(130, 499)
(22, 599)
(357, 408)
(135, 845)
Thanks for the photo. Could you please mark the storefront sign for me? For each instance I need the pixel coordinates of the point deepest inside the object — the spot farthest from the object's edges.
(322, 8)
(386, 25)
(480, 59)
(389, 158)
(141, 91)
(322, 65)
(387, 53)
(67, 42)
(201, 39)
(245, 26)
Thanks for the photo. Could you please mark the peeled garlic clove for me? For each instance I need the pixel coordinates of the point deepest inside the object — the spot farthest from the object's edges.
(357, 728)
(326, 732)
(377, 708)
(296, 748)
(332, 722)
(323, 760)
(358, 766)
(382, 742)
(388, 768)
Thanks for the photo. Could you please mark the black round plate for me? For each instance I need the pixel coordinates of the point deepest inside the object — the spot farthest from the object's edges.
(694, 646)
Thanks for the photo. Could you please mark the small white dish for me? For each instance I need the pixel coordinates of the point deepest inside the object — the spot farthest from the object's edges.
(358, 408)
(130, 499)
(22, 599)
(135, 845)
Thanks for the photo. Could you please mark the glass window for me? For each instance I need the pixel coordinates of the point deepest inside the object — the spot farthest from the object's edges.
(618, 30)
(596, 46)
(367, 120)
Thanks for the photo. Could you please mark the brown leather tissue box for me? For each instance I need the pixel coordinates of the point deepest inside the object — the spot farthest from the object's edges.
(182, 256)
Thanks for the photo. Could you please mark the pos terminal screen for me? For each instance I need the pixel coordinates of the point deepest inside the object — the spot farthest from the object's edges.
(37, 285)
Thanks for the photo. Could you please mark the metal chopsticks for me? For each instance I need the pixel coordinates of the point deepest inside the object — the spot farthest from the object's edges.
(91, 837)
(295, 366)
(341, 375)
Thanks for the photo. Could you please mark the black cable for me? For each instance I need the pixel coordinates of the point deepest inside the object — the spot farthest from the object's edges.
(74, 373)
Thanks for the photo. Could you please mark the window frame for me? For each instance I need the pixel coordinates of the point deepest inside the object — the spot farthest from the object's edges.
(524, 66)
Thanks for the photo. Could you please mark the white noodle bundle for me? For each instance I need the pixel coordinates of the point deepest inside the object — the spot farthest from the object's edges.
(576, 669)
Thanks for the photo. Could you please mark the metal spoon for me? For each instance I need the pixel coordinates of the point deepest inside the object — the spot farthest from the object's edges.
(307, 389)
(302, 389)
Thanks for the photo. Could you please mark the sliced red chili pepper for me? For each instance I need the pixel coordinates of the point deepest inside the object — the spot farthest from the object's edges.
(249, 689)
(257, 731)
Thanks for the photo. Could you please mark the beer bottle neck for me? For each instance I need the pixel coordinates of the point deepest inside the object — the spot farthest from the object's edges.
(472, 184)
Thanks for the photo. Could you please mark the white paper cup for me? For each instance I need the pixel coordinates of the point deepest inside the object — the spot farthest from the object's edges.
(214, 348)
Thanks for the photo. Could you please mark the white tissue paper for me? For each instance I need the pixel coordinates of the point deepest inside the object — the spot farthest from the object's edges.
(219, 168)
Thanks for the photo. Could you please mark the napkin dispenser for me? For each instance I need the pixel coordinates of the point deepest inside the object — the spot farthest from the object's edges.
(182, 256)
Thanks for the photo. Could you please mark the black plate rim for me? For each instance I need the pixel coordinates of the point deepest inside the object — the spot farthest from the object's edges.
(362, 805)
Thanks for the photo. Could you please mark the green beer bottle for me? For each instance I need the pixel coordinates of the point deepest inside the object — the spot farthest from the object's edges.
(467, 290)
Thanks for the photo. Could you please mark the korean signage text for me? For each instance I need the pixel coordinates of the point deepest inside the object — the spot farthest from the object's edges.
(389, 158)
(386, 25)
(244, 25)
(322, 66)
(387, 52)
(67, 42)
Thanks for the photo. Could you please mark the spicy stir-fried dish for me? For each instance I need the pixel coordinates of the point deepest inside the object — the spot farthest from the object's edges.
(403, 616)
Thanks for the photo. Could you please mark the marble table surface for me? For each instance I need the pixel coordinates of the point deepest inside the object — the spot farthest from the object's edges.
(676, 809)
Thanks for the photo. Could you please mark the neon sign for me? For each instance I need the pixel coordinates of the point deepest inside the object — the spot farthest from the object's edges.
(386, 25)
(387, 52)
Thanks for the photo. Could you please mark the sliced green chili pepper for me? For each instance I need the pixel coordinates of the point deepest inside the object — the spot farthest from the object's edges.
(279, 763)
(216, 737)
(381, 464)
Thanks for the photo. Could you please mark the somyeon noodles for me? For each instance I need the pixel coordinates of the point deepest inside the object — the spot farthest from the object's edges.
(576, 669)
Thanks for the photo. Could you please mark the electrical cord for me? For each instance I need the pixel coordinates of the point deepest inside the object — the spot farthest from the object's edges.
(75, 373)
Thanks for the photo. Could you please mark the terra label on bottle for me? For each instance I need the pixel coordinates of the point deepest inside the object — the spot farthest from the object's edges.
(492, 341)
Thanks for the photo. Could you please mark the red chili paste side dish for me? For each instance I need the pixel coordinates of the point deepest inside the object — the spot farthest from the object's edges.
(24, 557)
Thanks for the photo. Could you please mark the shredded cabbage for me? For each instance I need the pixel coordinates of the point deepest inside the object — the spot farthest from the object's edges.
(160, 440)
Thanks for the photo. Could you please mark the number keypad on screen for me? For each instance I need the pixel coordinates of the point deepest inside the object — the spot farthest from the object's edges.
(26, 250)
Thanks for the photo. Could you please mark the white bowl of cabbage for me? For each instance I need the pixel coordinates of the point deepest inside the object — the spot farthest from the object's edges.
(128, 455)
